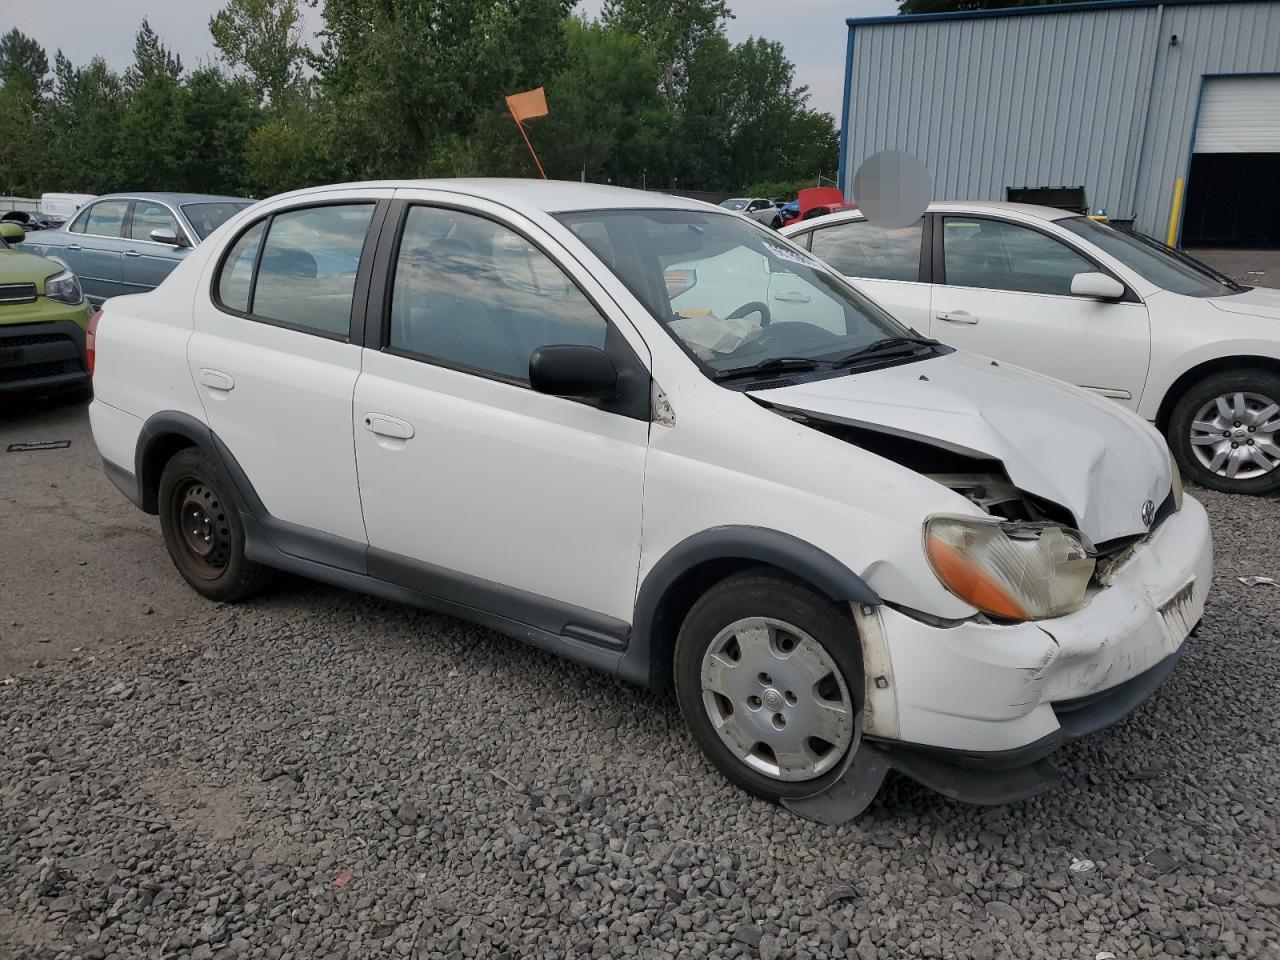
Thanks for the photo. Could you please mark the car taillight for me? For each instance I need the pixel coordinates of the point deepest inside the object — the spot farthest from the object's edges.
(91, 339)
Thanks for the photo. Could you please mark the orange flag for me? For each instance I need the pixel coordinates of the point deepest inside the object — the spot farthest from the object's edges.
(528, 105)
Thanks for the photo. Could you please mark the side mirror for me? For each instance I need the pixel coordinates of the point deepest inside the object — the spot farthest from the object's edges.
(165, 235)
(12, 232)
(1097, 285)
(570, 370)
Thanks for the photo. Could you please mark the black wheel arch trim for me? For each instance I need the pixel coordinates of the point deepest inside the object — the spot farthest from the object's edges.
(644, 664)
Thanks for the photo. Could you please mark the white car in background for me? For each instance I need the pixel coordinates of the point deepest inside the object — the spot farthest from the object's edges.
(1114, 312)
(757, 208)
(662, 441)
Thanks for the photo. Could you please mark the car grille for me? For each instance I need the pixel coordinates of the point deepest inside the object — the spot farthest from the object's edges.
(28, 339)
(37, 371)
(17, 293)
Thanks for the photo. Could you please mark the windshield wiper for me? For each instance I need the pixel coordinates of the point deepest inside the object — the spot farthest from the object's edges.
(774, 365)
(884, 346)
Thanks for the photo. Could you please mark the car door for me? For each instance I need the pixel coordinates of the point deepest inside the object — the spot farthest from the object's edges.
(146, 261)
(1004, 289)
(273, 358)
(475, 486)
(95, 251)
(885, 263)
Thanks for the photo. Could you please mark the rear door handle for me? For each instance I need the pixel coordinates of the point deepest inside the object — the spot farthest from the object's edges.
(791, 297)
(74, 246)
(957, 316)
(216, 379)
(387, 426)
(132, 253)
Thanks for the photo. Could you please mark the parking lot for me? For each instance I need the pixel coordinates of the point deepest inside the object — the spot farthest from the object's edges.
(317, 774)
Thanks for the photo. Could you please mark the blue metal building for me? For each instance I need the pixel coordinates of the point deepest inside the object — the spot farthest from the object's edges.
(1166, 114)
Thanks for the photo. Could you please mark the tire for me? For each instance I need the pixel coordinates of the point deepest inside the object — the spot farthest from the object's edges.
(787, 612)
(777, 223)
(195, 493)
(1247, 395)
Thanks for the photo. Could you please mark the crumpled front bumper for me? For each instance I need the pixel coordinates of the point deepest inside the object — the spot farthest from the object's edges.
(982, 688)
(973, 711)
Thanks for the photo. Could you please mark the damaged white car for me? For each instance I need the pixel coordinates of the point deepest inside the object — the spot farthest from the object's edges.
(660, 440)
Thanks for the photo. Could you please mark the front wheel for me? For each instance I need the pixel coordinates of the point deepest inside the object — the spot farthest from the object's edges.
(768, 674)
(202, 529)
(1225, 432)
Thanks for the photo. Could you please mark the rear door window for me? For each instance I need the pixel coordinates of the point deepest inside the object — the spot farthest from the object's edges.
(306, 274)
(870, 251)
(106, 219)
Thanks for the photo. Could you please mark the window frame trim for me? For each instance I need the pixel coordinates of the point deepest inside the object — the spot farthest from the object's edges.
(924, 268)
(87, 208)
(939, 271)
(359, 291)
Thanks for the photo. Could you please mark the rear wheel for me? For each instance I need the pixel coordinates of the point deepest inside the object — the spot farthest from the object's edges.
(202, 529)
(769, 677)
(1225, 432)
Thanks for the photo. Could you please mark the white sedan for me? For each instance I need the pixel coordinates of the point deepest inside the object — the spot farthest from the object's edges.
(662, 441)
(1111, 311)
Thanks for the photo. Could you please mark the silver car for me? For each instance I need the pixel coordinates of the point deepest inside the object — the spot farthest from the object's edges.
(127, 243)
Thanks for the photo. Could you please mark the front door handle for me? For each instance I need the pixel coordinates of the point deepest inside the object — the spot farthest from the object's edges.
(132, 253)
(957, 316)
(216, 379)
(74, 246)
(791, 297)
(387, 426)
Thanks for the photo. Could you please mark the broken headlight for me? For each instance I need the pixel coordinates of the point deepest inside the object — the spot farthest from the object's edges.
(1016, 571)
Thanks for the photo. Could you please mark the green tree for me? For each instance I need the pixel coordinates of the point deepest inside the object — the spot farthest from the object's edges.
(149, 143)
(84, 116)
(152, 60)
(23, 70)
(409, 75)
(218, 117)
(23, 64)
(264, 39)
(607, 118)
(673, 29)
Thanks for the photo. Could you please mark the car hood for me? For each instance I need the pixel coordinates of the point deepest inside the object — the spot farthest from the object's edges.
(1258, 302)
(1086, 454)
(19, 267)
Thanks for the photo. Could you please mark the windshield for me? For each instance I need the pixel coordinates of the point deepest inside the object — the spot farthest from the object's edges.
(1153, 260)
(735, 204)
(733, 294)
(207, 216)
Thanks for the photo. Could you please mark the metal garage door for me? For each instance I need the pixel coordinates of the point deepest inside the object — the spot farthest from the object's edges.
(1239, 115)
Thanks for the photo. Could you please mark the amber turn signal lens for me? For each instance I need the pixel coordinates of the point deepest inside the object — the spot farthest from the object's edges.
(970, 583)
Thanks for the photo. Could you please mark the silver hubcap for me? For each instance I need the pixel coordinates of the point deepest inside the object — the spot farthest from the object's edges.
(1235, 435)
(777, 699)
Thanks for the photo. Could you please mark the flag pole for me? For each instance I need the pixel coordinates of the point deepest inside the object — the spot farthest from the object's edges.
(526, 141)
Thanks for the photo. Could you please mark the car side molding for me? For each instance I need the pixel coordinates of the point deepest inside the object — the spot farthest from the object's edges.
(653, 636)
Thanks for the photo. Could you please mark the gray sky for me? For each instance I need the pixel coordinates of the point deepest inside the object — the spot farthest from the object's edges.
(811, 30)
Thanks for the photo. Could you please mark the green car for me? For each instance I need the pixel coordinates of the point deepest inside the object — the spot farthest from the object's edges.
(44, 319)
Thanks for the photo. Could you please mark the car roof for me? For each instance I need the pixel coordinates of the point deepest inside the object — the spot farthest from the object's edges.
(549, 196)
(1028, 210)
(172, 198)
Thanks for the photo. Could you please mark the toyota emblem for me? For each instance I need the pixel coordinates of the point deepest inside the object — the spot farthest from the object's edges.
(1149, 512)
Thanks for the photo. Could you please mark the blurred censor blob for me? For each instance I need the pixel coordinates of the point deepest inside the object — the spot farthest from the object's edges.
(892, 188)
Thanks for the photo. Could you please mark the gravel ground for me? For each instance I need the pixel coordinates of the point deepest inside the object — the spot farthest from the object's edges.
(322, 775)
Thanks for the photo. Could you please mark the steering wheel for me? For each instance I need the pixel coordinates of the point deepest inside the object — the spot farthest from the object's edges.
(755, 306)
